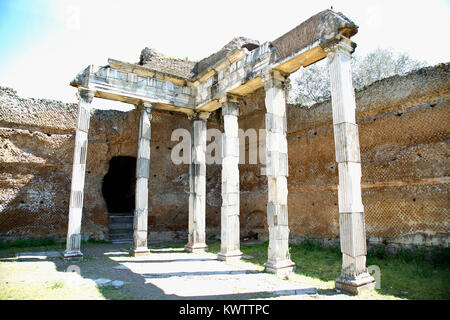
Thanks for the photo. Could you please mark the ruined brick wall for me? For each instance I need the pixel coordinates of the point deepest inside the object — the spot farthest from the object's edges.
(36, 150)
(404, 130)
(403, 125)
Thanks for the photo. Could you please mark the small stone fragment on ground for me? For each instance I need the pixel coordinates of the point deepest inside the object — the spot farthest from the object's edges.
(102, 282)
(117, 284)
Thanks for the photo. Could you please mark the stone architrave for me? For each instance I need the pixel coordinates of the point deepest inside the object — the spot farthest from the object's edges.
(73, 242)
(279, 261)
(230, 246)
(354, 276)
(197, 182)
(140, 223)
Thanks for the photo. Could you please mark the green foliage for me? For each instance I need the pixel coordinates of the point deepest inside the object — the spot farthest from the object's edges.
(313, 84)
(27, 243)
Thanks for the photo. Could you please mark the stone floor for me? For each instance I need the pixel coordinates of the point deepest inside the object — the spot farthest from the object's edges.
(174, 274)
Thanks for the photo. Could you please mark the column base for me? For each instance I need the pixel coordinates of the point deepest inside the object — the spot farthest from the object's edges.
(281, 268)
(139, 252)
(196, 248)
(362, 285)
(229, 256)
(75, 256)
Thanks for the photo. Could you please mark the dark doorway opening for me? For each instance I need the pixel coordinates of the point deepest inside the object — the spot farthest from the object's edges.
(119, 183)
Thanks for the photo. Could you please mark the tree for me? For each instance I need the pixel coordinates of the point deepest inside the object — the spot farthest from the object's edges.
(312, 85)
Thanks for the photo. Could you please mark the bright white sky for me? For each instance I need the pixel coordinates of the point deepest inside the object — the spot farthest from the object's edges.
(46, 43)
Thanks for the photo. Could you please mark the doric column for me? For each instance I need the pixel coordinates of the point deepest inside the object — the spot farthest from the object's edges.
(142, 174)
(229, 240)
(279, 261)
(354, 276)
(197, 183)
(73, 242)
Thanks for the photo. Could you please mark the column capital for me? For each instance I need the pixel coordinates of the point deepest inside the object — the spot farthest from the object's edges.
(202, 115)
(144, 105)
(339, 45)
(273, 79)
(230, 104)
(86, 95)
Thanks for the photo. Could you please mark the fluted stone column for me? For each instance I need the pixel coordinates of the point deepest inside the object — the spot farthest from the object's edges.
(140, 224)
(197, 182)
(354, 276)
(229, 240)
(73, 242)
(279, 261)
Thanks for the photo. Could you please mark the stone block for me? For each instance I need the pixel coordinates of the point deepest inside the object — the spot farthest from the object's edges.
(346, 141)
(352, 234)
(200, 186)
(83, 151)
(145, 131)
(197, 170)
(230, 186)
(78, 176)
(143, 168)
(352, 267)
(230, 199)
(143, 149)
(275, 101)
(275, 123)
(230, 126)
(141, 193)
(277, 215)
(84, 116)
(277, 190)
(230, 109)
(276, 164)
(342, 92)
(140, 221)
(276, 142)
(230, 146)
(76, 199)
(363, 285)
(349, 189)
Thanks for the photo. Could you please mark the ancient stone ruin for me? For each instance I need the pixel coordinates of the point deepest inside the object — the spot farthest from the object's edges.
(122, 161)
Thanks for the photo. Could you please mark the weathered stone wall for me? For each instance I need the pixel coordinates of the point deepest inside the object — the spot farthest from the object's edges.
(403, 125)
(404, 132)
(36, 150)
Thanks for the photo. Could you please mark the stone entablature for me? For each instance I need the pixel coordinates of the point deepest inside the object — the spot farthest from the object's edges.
(238, 73)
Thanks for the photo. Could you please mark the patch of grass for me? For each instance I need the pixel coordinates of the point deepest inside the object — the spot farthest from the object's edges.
(57, 285)
(96, 241)
(28, 243)
(408, 275)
